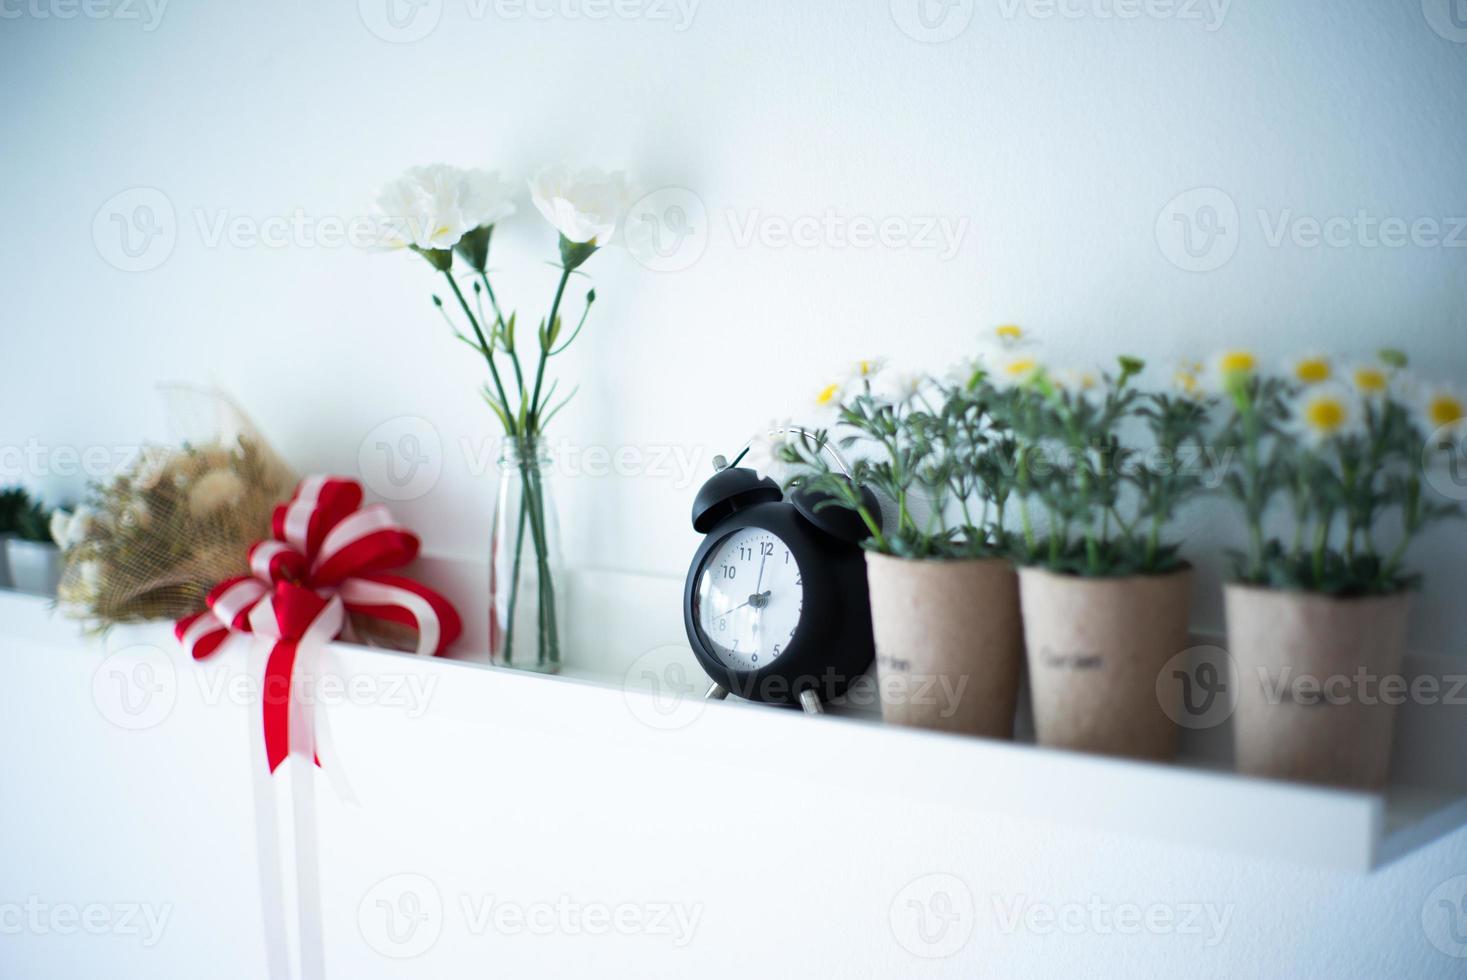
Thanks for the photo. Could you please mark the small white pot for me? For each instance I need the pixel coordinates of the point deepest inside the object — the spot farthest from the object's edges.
(34, 567)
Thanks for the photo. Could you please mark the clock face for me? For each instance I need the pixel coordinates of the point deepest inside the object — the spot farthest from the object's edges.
(749, 598)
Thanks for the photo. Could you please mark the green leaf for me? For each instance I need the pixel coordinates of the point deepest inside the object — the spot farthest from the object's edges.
(1394, 358)
(498, 411)
(556, 410)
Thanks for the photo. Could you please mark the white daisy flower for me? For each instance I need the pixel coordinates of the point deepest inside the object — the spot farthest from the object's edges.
(1311, 369)
(1187, 380)
(1372, 380)
(1229, 366)
(1010, 336)
(1324, 413)
(1443, 410)
(764, 448)
(1016, 369)
(830, 396)
(900, 387)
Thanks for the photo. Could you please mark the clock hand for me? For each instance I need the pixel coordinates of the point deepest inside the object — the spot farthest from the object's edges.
(752, 599)
(762, 562)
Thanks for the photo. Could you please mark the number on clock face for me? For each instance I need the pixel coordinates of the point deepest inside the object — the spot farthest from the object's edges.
(750, 594)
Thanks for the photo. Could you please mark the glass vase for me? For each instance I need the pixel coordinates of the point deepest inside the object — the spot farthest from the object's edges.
(525, 607)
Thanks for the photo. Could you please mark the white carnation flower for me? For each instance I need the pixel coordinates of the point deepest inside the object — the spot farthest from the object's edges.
(432, 207)
(585, 206)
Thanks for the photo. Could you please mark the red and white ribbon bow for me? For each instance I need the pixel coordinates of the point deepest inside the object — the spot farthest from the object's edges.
(327, 558)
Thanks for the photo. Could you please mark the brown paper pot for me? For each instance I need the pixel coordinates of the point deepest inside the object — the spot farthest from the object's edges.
(948, 643)
(1096, 647)
(1305, 710)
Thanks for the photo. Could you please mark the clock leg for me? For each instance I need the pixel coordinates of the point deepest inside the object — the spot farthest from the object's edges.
(810, 701)
(715, 693)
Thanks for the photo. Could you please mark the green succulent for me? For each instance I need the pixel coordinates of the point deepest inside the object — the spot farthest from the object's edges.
(13, 500)
(33, 523)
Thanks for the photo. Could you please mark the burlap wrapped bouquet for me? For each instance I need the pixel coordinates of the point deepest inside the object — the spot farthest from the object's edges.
(150, 543)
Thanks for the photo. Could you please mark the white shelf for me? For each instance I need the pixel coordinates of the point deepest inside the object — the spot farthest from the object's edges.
(627, 629)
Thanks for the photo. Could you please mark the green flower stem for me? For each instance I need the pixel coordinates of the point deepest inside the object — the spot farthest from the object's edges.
(1153, 540)
(514, 587)
(1301, 511)
(1092, 545)
(1352, 505)
(532, 516)
(1253, 490)
(967, 514)
(549, 631)
(493, 301)
(534, 414)
(1414, 522)
(1021, 482)
(488, 351)
(1054, 535)
(503, 328)
(904, 518)
(1398, 555)
(1321, 544)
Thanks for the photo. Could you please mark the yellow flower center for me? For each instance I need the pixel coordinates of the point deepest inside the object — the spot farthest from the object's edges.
(864, 368)
(1371, 380)
(1239, 362)
(827, 394)
(1021, 367)
(1009, 332)
(1446, 410)
(1326, 415)
(1313, 371)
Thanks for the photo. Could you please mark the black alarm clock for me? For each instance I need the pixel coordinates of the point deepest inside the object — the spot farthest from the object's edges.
(776, 604)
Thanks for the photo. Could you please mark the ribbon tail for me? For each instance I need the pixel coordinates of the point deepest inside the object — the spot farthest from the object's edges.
(326, 749)
(267, 843)
(276, 701)
(301, 743)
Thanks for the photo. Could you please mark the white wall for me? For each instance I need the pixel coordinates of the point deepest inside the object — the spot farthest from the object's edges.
(1059, 141)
